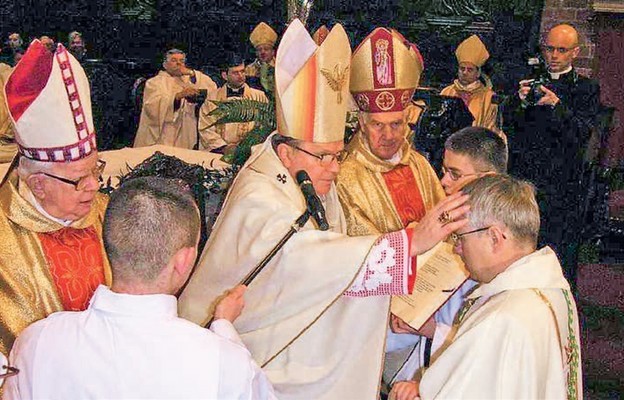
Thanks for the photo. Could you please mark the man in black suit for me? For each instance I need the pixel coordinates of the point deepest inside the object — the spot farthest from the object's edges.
(552, 123)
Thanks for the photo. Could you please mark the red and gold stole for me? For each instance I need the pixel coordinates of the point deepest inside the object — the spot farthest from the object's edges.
(405, 194)
(75, 261)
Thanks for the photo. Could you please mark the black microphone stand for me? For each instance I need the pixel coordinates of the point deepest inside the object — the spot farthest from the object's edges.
(294, 228)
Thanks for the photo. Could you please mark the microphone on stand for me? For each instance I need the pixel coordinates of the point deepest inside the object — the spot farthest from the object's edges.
(315, 207)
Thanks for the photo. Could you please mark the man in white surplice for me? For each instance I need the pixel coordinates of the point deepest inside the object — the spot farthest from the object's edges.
(316, 316)
(170, 98)
(130, 343)
(469, 153)
(517, 334)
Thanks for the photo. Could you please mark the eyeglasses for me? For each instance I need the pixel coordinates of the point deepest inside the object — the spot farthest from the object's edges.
(80, 184)
(325, 159)
(455, 176)
(456, 237)
(560, 50)
(10, 371)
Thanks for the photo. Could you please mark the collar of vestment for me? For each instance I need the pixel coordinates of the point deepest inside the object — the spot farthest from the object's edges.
(471, 87)
(360, 149)
(133, 305)
(230, 92)
(21, 212)
(559, 75)
(538, 270)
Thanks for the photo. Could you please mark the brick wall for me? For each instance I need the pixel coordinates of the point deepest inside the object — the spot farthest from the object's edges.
(580, 14)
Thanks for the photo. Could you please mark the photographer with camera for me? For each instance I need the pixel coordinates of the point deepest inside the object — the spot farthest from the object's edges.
(554, 116)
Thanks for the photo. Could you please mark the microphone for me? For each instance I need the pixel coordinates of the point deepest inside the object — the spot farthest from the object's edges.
(315, 207)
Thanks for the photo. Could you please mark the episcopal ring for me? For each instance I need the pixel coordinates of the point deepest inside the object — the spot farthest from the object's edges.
(445, 218)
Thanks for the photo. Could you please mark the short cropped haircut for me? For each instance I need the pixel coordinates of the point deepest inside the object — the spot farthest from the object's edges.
(483, 146)
(499, 198)
(146, 222)
(172, 52)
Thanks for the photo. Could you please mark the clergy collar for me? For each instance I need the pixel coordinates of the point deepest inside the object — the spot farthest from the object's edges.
(139, 306)
(231, 92)
(557, 75)
(471, 87)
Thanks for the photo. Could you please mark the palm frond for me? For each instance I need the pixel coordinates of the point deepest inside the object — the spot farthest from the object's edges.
(243, 110)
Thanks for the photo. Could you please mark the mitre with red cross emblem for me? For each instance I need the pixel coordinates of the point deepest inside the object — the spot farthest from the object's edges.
(385, 71)
(312, 84)
(49, 101)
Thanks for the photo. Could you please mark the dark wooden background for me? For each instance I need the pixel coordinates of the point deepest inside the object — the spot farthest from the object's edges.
(126, 38)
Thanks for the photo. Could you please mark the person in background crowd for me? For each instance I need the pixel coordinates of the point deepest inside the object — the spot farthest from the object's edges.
(471, 55)
(170, 99)
(223, 138)
(262, 71)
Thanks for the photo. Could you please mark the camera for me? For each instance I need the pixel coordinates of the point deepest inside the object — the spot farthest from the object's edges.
(539, 77)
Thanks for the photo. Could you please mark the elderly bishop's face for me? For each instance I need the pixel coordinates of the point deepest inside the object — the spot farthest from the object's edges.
(64, 200)
(385, 132)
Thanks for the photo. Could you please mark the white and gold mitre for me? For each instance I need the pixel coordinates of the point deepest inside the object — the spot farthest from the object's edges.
(312, 84)
(472, 50)
(263, 34)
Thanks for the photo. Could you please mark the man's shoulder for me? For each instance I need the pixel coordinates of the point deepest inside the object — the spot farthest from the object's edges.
(520, 309)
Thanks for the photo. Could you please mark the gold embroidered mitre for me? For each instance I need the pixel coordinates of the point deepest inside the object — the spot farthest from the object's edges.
(472, 50)
(263, 34)
(385, 71)
(311, 84)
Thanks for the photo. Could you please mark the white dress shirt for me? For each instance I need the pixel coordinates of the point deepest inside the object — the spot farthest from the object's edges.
(132, 346)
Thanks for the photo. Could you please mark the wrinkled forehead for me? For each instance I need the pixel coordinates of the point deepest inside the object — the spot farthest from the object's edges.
(176, 57)
(384, 117)
(77, 168)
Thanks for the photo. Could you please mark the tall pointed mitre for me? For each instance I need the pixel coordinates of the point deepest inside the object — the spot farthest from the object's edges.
(312, 84)
(49, 101)
(385, 71)
(263, 34)
(472, 50)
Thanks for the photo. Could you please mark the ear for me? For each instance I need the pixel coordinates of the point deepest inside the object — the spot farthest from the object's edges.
(497, 238)
(183, 260)
(576, 51)
(224, 75)
(284, 152)
(36, 184)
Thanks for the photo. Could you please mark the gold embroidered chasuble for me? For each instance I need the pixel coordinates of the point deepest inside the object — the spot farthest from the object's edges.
(365, 197)
(478, 99)
(27, 289)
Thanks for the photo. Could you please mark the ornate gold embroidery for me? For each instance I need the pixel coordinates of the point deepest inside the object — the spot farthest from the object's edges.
(336, 79)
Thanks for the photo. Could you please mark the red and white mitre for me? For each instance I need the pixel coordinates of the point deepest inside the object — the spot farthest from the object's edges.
(49, 101)
(385, 71)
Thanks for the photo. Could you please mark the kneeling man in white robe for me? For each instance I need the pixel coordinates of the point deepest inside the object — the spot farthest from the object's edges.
(517, 335)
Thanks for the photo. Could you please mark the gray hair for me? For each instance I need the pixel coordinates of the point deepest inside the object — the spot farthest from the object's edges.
(484, 147)
(146, 222)
(28, 167)
(506, 200)
(171, 52)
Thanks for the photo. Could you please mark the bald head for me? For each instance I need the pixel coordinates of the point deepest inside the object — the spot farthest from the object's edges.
(564, 32)
(561, 47)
